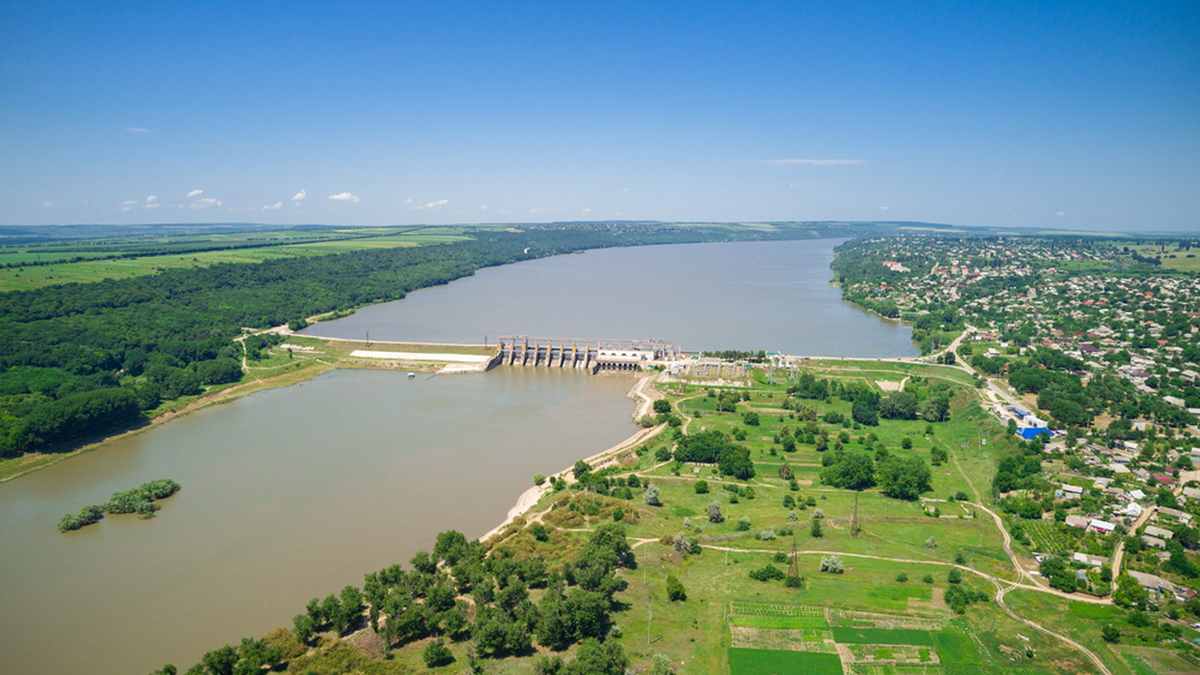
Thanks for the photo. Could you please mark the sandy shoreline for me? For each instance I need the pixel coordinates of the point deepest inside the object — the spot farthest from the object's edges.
(645, 395)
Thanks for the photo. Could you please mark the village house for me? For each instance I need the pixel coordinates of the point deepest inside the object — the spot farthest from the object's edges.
(1154, 541)
(1159, 532)
(1180, 516)
(1156, 584)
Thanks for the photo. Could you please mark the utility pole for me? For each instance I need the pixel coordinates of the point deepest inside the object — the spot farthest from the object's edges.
(854, 528)
(793, 564)
(650, 617)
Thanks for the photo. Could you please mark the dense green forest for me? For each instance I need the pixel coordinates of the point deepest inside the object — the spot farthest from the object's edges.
(77, 360)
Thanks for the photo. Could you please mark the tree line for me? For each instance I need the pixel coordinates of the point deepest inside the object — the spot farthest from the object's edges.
(430, 600)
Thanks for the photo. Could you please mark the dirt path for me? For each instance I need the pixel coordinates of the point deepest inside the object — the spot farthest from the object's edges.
(1003, 591)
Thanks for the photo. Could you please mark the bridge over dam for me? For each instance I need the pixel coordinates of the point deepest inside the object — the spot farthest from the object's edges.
(592, 355)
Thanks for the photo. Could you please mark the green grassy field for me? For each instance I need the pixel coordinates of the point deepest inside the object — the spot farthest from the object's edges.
(86, 261)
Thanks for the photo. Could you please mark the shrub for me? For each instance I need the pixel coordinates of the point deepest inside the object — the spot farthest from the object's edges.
(766, 535)
(815, 529)
(902, 577)
(767, 572)
(792, 516)
(436, 654)
(701, 487)
(539, 478)
(931, 542)
(831, 564)
(928, 578)
(954, 577)
(743, 524)
(675, 591)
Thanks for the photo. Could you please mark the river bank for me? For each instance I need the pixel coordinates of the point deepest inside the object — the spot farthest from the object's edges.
(645, 395)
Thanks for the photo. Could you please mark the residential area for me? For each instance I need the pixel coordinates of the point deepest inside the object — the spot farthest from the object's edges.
(1090, 352)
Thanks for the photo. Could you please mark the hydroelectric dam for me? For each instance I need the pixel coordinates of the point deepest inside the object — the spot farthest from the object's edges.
(591, 355)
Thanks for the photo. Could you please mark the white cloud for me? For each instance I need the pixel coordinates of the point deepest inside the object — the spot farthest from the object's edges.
(421, 206)
(537, 210)
(47, 204)
(273, 207)
(136, 130)
(203, 203)
(195, 193)
(345, 197)
(587, 209)
(129, 202)
(299, 196)
(151, 199)
(484, 207)
(151, 205)
(811, 162)
(1060, 214)
(884, 208)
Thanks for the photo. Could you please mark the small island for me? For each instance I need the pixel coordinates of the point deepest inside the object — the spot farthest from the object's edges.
(134, 500)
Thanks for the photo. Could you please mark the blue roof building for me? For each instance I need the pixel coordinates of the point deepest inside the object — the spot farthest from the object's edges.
(1030, 433)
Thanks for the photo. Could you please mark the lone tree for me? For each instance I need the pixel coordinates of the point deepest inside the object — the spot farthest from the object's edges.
(650, 496)
(675, 591)
(714, 512)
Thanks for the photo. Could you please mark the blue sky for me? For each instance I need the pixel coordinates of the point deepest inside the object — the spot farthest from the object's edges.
(1080, 115)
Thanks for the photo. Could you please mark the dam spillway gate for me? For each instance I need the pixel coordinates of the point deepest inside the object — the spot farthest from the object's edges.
(592, 355)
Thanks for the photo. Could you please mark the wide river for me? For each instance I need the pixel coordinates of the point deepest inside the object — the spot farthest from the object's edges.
(293, 493)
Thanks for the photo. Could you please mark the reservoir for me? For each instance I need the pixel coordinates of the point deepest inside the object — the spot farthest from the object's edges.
(769, 295)
(293, 493)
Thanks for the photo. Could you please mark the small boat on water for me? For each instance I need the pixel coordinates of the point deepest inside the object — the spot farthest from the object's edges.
(412, 376)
